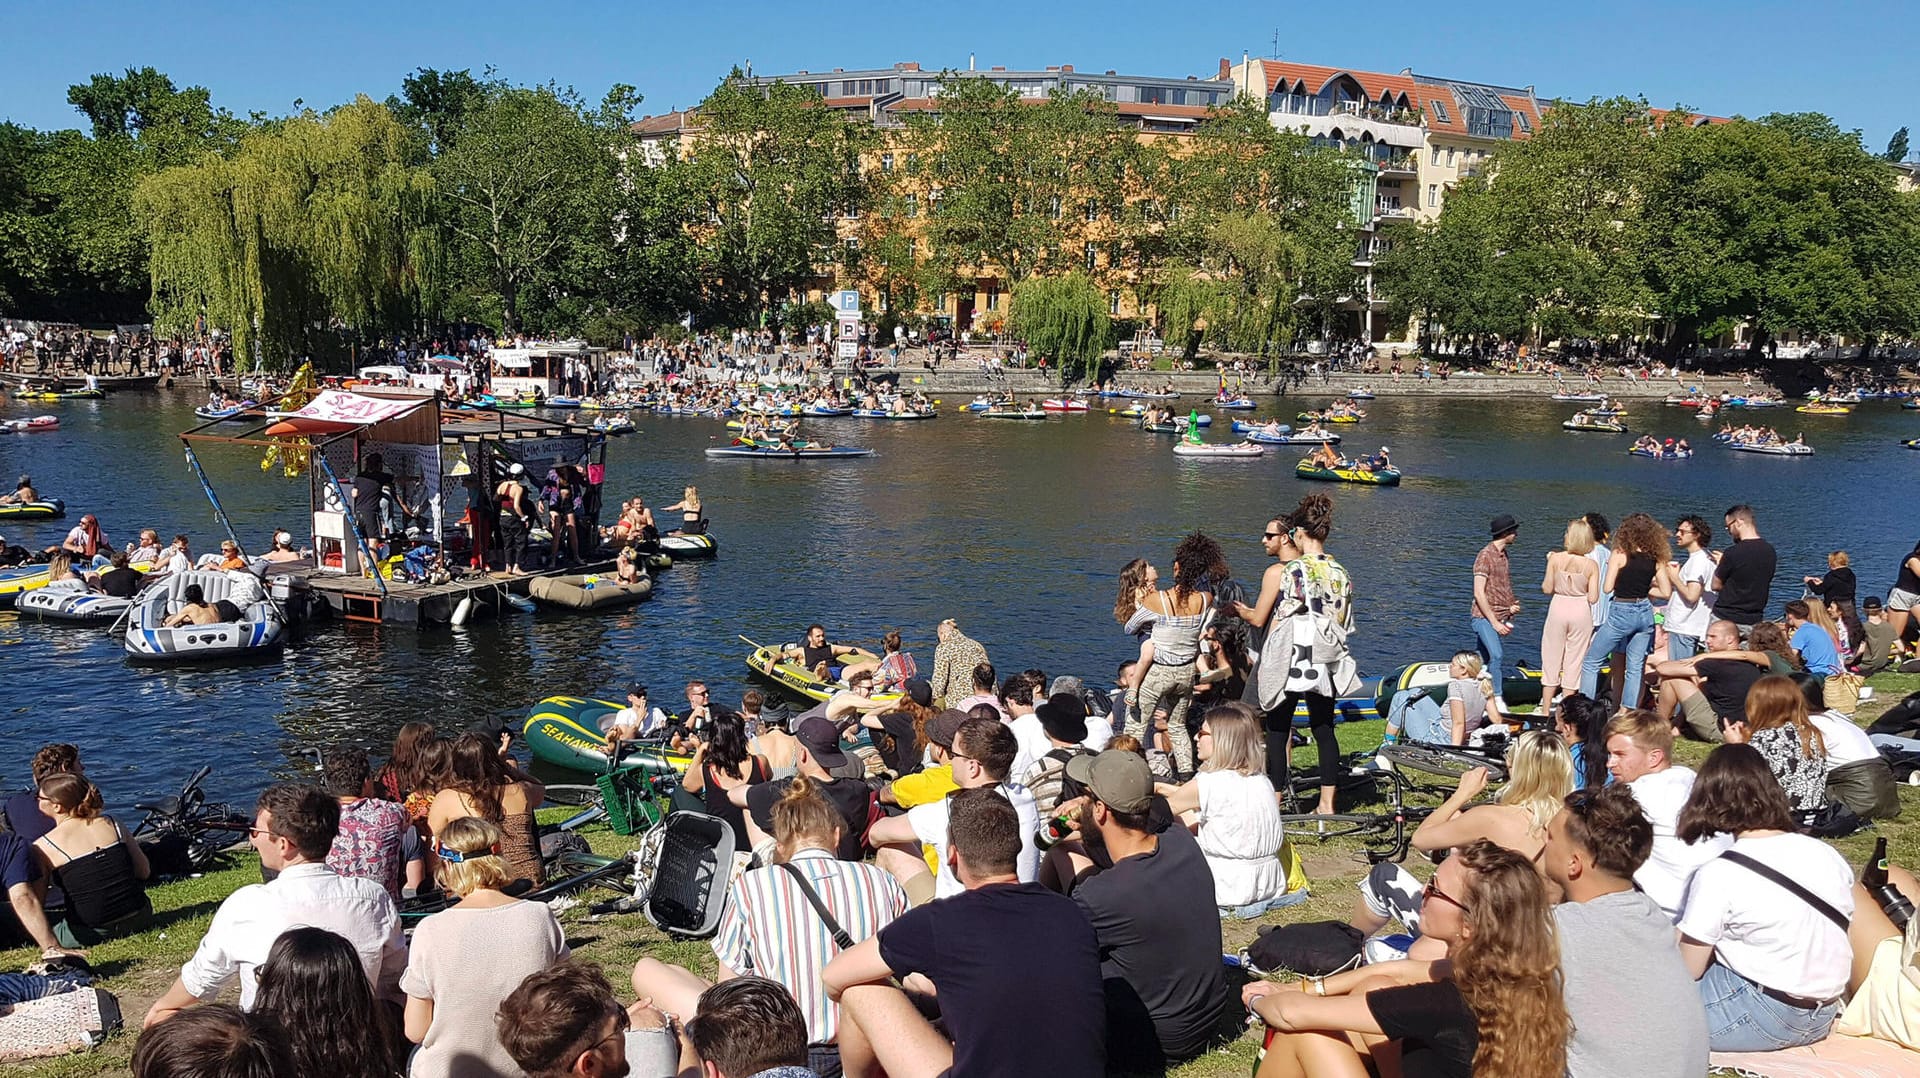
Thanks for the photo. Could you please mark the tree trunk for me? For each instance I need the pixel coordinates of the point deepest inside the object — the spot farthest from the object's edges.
(509, 309)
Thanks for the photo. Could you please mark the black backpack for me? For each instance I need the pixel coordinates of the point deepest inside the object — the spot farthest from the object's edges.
(1311, 949)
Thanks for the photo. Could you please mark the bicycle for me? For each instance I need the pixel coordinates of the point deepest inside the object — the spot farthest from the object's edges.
(1386, 835)
(183, 833)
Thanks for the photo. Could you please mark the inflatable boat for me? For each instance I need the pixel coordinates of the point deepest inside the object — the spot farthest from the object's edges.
(566, 731)
(1012, 413)
(44, 509)
(798, 452)
(70, 602)
(1594, 426)
(1217, 450)
(1241, 426)
(64, 395)
(30, 426)
(685, 547)
(257, 632)
(1773, 449)
(1348, 472)
(1305, 437)
(1664, 454)
(231, 411)
(1521, 688)
(587, 592)
(1236, 404)
(19, 580)
(882, 413)
(1064, 404)
(790, 676)
(825, 411)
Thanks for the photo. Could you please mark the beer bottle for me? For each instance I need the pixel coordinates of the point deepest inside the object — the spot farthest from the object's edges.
(1896, 905)
(1056, 829)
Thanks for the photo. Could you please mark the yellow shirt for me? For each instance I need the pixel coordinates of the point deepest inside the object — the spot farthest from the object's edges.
(924, 788)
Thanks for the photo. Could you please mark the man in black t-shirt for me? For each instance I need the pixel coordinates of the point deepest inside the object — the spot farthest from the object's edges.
(1153, 915)
(1015, 968)
(1743, 582)
(820, 754)
(121, 582)
(1710, 690)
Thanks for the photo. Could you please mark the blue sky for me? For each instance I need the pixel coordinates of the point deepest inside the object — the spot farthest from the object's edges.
(1847, 58)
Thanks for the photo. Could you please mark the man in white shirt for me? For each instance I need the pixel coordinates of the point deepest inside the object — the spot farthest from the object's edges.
(1626, 985)
(293, 830)
(1640, 754)
(983, 751)
(1028, 734)
(1690, 610)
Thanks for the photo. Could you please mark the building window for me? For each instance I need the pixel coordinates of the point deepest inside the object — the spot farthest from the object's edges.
(853, 243)
(1440, 112)
(1093, 212)
(886, 162)
(1053, 207)
(913, 205)
(1433, 195)
(993, 295)
(1521, 119)
(1436, 157)
(1113, 302)
(1090, 254)
(939, 301)
(913, 248)
(1450, 152)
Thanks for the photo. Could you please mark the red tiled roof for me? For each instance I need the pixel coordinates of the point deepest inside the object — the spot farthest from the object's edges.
(1660, 117)
(664, 124)
(1316, 78)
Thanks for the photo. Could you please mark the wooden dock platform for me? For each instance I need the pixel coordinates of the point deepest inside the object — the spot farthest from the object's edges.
(357, 598)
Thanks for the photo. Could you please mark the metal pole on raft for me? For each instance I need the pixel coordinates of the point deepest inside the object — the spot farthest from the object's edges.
(366, 550)
(220, 514)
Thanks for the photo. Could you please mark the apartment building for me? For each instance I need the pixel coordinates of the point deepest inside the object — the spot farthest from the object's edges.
(1421, 133)
(1156, 106)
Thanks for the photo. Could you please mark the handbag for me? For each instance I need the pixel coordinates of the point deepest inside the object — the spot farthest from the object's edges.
(1311, 949)
(1842, 692)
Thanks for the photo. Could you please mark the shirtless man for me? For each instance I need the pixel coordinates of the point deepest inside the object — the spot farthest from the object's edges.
(197, 611)
(23, 493)
(850, 704)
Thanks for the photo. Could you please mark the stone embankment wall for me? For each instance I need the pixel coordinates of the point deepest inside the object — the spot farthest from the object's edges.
(965, 377)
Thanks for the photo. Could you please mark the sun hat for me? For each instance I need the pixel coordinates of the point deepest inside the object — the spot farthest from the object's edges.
(1064, 717)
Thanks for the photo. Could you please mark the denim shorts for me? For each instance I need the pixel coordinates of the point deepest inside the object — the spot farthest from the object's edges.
(1741, 1017)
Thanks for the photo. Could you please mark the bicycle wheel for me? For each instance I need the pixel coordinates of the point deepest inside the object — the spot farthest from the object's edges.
(1339, 825)
(571, 871)
(1439, 760)
(572, 794)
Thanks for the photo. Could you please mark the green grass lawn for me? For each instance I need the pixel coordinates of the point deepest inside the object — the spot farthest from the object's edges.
(140, 967)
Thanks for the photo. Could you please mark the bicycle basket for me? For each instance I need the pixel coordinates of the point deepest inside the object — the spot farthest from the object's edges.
(628, 796)
(690, 875)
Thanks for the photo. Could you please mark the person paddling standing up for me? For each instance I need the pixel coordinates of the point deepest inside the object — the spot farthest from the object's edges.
(1494, 606)
(1744, 580)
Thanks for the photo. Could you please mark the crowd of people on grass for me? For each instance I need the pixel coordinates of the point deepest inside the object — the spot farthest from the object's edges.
(1024, 853)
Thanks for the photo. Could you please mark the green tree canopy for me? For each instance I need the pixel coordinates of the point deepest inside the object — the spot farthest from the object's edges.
(316, 223)
(771, 176)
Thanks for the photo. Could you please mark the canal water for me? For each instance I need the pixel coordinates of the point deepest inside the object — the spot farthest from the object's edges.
(1015, 529)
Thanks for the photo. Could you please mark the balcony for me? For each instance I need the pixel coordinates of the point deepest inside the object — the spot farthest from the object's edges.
(1393, 128)
(1391, 208)
(1400, 164)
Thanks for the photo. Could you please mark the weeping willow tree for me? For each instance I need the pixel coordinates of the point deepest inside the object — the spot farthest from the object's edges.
(311, 225)
(1064, 318)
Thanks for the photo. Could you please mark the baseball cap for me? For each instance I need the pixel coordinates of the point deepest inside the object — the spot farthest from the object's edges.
(1064, 717)
(636, 689)
(942, 728)
(821, 739)
(1118, 778)
(516, 469)
(919, 691)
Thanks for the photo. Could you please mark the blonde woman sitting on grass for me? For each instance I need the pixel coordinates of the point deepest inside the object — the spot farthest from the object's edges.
(467, 959)
(1235, 813)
